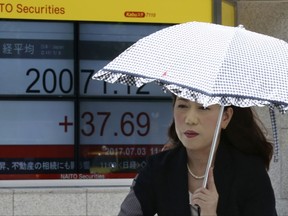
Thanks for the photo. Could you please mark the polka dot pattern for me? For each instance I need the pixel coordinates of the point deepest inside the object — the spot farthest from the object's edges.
(208, 63)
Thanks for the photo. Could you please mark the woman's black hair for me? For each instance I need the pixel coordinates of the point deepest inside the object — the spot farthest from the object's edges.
(243, 132)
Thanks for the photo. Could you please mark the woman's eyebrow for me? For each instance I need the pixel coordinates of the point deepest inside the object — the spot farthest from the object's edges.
(183, 99)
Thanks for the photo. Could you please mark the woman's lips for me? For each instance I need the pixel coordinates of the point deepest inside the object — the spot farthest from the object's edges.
(190, 133)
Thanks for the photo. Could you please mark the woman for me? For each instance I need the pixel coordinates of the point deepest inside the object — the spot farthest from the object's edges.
(238, 183)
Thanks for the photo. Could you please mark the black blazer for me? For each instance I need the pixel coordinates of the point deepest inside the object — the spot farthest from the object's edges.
(242, 183)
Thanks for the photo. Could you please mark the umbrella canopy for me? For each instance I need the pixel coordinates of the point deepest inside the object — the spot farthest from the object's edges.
(210, 64)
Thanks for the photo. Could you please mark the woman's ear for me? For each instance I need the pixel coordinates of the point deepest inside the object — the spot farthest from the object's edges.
(227, 116)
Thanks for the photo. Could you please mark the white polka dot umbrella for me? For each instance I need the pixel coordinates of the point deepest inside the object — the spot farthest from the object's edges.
(210, 64)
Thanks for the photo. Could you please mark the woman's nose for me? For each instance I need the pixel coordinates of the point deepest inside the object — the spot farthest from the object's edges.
(191, 117)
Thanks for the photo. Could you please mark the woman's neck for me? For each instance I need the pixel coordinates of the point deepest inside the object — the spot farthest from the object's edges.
(197, 161)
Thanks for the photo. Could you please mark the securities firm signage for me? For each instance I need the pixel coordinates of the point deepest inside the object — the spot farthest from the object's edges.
(146, 11)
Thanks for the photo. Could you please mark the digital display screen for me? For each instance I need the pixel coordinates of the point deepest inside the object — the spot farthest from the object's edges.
(124, 122)
(117, 136)
(99, 44)
(37, 58)
(58, 123)
(36, 136)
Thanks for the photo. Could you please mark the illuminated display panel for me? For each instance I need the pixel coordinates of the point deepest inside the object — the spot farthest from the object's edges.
(118, 133)
(99, 44)
(116, 136)
(36, 58)
(37, 103)
(36, 137)
(58, 123)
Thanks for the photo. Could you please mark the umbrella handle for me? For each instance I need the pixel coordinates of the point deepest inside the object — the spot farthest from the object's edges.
(213, 146)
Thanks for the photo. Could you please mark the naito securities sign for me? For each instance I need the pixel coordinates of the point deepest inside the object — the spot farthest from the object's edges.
(148, 11)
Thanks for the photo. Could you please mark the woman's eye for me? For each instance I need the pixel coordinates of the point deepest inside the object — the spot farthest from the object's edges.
(181, 106)
(203, 108)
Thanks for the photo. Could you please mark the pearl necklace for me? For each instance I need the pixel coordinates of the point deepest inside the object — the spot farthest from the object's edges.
(193, 175)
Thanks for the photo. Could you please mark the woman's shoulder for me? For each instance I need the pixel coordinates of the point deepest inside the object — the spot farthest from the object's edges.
(245, 164)
(242, 172)
(244, 177)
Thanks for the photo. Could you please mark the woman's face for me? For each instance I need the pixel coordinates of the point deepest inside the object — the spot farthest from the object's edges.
(195, 125)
